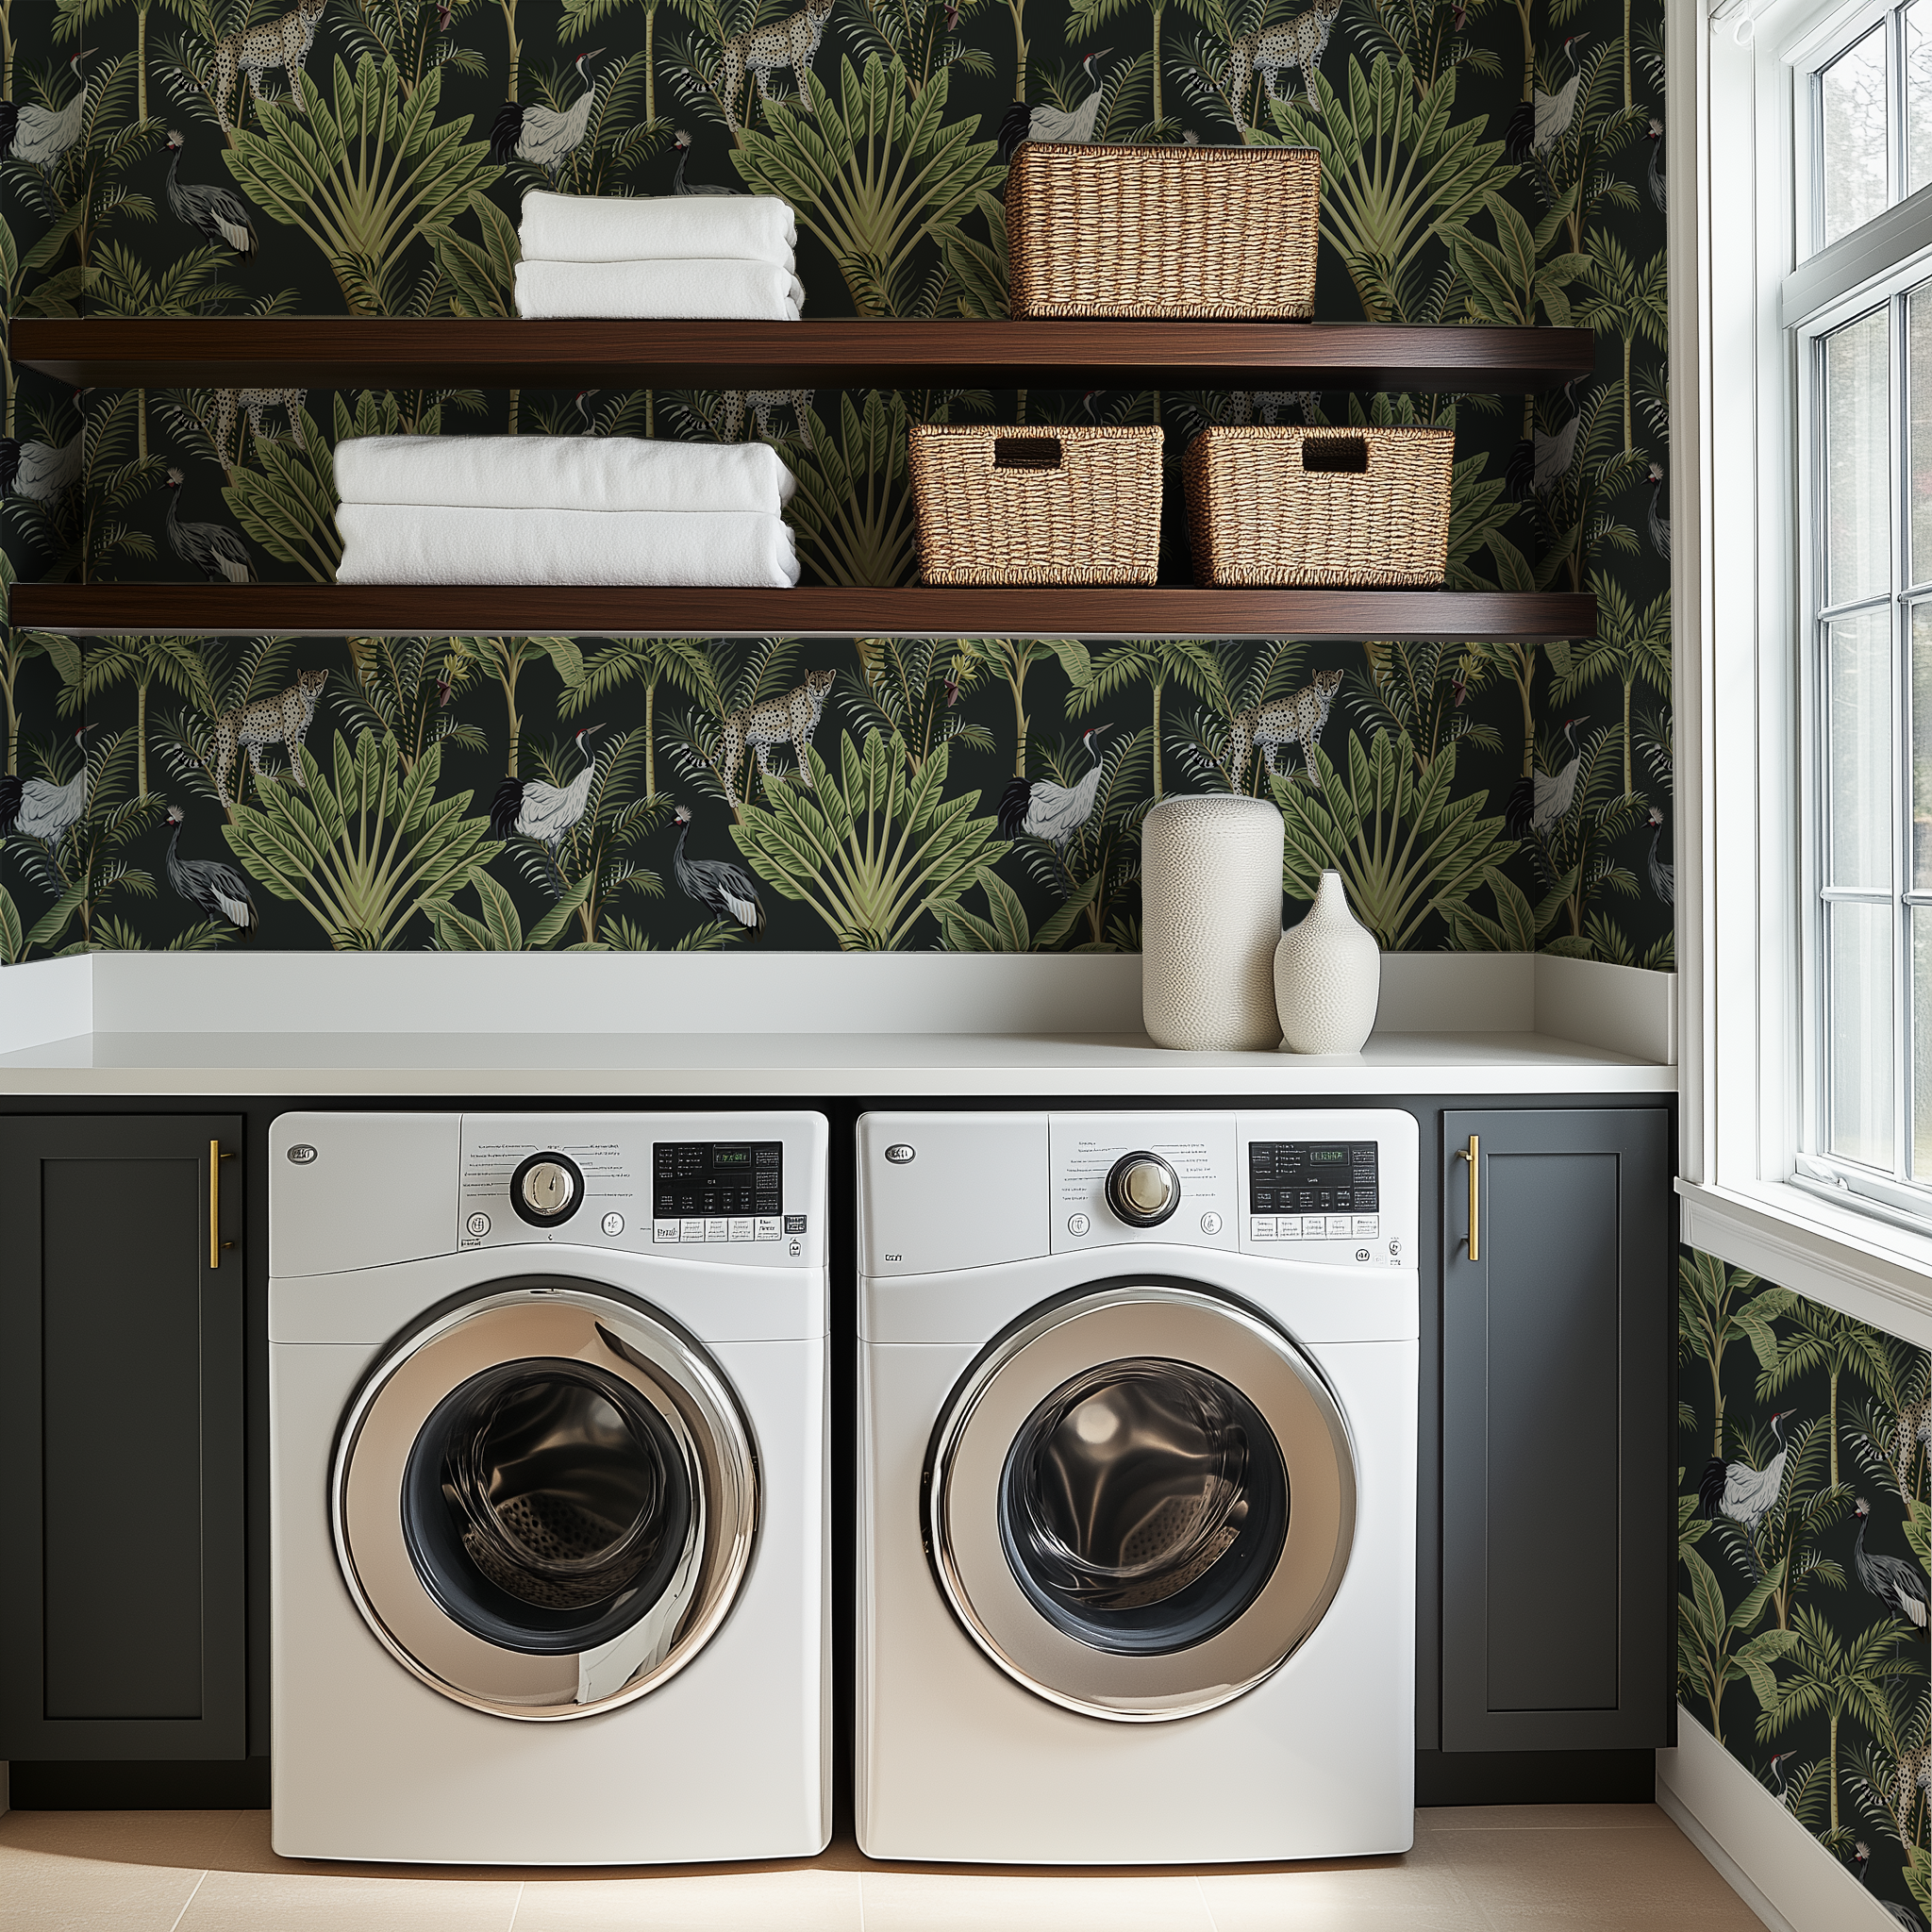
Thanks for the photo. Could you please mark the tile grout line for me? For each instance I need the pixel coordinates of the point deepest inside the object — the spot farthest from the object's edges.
(189, 1901)
(1206, 1905)
(517, 1908)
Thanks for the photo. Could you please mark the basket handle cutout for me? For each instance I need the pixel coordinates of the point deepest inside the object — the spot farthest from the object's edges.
(1346, 453)
(1027, 453)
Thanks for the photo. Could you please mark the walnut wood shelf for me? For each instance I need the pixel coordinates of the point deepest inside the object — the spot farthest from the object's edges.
(230, 352)
(372, 610)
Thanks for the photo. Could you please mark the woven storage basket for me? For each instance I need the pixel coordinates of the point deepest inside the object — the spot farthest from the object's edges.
(1344, 506)
(1212, 233)
(1048, 505)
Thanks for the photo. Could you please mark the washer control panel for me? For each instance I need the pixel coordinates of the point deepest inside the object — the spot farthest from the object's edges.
(1132, 1177)
(717, 1191)
(1314, 1190)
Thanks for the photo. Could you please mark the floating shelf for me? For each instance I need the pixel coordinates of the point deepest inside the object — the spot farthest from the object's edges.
(368, 609)
(316, 352)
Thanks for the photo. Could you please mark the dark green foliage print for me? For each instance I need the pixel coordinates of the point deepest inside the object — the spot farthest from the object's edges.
(1482, 162)
(1802, 1563)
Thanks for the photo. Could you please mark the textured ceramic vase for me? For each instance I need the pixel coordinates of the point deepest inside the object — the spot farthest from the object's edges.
(1211, 897)
(1327, 976)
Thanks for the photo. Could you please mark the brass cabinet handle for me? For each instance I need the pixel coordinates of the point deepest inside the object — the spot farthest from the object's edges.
(215, 1243)
(1470, 1155)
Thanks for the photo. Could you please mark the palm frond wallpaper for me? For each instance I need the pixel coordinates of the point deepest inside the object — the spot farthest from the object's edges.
(1803, 1520)
(1482, 162)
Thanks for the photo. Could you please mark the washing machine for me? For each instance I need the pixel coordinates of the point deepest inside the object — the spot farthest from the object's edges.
(1138, 1486)
(548, 1533)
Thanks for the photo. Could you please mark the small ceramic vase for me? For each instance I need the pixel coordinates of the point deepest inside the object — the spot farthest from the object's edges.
(1210, 898)
(1327, 976)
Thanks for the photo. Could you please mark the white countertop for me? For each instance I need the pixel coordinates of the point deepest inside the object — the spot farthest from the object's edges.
(801, 1066)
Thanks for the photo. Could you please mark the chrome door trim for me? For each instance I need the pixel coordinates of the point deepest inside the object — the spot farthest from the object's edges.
(542, 1317)
(965, 1464)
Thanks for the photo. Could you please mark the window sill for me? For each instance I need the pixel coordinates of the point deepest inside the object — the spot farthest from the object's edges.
(1849, 1261)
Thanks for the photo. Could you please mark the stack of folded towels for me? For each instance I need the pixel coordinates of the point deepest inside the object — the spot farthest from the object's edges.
(667, 258)
(562, 510)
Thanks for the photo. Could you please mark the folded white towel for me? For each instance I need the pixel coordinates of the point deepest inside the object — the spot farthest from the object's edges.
(594, 472)
(659, 290)
(674, 228)
(422, 543)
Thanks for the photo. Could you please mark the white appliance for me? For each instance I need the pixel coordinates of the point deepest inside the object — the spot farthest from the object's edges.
(1138, 1473)
(549, 1547)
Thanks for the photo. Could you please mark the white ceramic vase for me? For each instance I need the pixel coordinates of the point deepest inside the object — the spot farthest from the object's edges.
(1210, 897)
(1327, 976)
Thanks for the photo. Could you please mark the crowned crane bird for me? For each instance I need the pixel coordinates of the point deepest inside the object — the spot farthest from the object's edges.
(1540, 798)
(1023, 124)
(1780, 1786)
(1045, 809)
(42, 471)
(530, 809)
(206, 207)
(1861, 1863)
(218, 889)
(1659, 513)
(1543, 459)
(42, 135)
(1898, 1585)
(1741, 1492)
(1538, 124)
(216, 550)
(681, 147)
(1655, 172)
(38, 808)
(1663, 872)
(725, 891)
(541, 136)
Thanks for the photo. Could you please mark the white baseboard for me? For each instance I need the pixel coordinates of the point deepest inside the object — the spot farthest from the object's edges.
(1760, 1849)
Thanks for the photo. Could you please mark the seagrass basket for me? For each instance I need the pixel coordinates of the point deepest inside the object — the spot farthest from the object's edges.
(1047, 506)
(1208, 233)
(1320, 507)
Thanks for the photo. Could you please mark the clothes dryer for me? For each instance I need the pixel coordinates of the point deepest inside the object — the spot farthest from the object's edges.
(1138, 1473)
(549, 1469)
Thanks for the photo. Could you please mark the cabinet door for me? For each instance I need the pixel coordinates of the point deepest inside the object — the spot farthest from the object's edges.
(121, 1596)
(1556, 1489)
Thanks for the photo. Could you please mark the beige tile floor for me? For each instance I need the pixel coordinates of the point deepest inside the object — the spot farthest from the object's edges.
(1567, 1868)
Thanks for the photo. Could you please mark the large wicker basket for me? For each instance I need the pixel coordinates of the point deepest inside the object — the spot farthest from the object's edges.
(1320, 507)
(1046, 506)
(1208, 233)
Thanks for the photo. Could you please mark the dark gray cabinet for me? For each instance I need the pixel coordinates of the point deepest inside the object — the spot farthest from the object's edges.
(1555, 1446)
(123, 1598)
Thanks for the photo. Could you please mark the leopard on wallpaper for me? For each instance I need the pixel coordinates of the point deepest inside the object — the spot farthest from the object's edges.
(202, 158)
(1802, 1521)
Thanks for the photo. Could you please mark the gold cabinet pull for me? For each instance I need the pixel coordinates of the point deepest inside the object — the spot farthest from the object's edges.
(1470, 1154)
(215, 1243)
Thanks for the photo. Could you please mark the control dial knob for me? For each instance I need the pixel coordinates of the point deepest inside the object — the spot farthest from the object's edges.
(1143, 1189)
(547, 1188)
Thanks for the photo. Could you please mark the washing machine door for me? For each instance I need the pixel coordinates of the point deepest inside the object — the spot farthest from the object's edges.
(1141, 1500)
(544, 1499)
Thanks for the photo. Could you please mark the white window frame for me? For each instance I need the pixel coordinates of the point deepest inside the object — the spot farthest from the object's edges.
(1740, 250)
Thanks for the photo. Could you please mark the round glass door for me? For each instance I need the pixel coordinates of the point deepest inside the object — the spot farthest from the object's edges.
(544, 1500)
(1140, 1501)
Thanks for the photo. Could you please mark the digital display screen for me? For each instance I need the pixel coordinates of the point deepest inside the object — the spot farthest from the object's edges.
(730, 1157)
(717, 1178)
(1328, 1154)
(1314, 1177)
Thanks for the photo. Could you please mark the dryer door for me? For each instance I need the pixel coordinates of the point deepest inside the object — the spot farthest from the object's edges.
(544, 1500)
(1141, 1500)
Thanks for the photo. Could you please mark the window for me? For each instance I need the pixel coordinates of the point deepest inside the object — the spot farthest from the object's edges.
(1860, 320)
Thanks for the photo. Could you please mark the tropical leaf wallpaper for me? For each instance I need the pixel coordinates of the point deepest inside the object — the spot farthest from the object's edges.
(1484, 160)
(1803, 1520)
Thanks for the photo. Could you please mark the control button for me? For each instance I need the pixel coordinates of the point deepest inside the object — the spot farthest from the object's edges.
(1210, 1224)
(1362, 1254)
(718, 1230)
(1078, 1224)
(1395, 1248)
(663, 1230)
(769, 1230)
(478, 1224)
(1287, 1228)
(794, 1224)
(613, 1223)
(1369, 1224)
(1340, 1225)
(1261, 1227)
(689, 1230)
(1143, 1189)
(547, 1188)
(740, 1228)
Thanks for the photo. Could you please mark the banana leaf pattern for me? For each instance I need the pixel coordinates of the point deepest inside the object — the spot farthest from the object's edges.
(1484, 160)
(1803, 1517)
